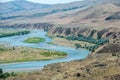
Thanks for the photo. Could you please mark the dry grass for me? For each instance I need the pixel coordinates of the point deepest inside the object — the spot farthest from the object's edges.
(65, 42)
(21, 54)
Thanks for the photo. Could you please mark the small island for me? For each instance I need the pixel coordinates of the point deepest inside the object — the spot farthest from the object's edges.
(34, 40)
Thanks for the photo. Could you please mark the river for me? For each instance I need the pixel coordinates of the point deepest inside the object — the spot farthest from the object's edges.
(73, 54)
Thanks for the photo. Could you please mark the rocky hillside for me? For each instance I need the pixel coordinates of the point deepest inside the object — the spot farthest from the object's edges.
(88, 13)
(109, 48)
(113, 34)
(115, 16)
(109, 33)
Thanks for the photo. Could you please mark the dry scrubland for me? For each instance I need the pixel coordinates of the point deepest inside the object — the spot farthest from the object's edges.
(65, 42)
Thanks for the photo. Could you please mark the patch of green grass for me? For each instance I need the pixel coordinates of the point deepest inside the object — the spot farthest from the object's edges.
(34, 40)
(53, 54)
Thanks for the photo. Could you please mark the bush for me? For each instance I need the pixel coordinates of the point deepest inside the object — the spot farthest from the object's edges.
(5, 75)
(1, 71)
(77, 46)
(13, 74)
(113, 54)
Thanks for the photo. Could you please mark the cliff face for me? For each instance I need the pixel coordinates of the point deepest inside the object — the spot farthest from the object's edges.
(109, 33)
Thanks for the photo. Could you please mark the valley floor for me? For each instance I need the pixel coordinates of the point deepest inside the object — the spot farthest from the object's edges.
(95, 67)
(103, 64)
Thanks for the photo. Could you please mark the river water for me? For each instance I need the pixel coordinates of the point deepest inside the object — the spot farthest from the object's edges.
(73, 54)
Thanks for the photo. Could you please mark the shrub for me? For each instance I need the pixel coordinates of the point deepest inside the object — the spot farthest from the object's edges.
(1, 71)
(5, 75)
(13, 74)
(77, 46)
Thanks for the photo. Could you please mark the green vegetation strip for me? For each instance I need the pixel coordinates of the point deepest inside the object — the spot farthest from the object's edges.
(53, 53)
(14, 33)
(88, 39)
(34, 40)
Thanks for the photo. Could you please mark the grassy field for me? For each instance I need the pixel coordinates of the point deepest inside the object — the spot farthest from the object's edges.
(65, 42)
(34, 40)
(22, 54)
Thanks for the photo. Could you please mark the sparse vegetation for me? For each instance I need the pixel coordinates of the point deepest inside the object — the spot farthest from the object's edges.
(6, 75)
(22, 54)
(70, 43)
(89, 40)
(86, 40)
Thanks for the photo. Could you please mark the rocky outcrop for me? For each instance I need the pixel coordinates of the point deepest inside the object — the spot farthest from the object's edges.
(115, 16)
(110, 48)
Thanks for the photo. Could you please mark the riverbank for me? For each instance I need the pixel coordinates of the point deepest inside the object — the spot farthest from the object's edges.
(65, 42)
(23, 54)
(12, 32)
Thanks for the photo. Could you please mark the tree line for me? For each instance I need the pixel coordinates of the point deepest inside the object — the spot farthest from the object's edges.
(89, 39)
(14, 33)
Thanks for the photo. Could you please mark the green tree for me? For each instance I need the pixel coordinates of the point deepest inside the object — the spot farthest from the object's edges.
(77, 46)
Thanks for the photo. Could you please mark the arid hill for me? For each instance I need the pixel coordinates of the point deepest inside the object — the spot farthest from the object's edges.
(95, 13)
